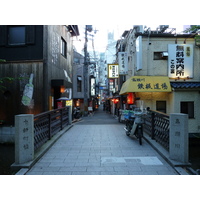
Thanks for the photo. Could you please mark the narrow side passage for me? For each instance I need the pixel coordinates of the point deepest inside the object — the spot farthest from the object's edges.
(100, 150)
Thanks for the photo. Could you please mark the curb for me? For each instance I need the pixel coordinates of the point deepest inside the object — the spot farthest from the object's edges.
(180, 168)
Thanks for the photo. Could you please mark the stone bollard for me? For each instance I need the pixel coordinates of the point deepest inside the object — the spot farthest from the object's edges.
(24, 138)
(70, 115)
(178, 140)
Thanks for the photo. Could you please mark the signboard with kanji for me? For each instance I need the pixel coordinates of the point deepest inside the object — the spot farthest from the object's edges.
(123, 63)
(113, 71)
(146, 84)
(180, 60)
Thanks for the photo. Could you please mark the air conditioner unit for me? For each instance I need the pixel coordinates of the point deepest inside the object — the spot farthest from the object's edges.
(163, 28)
(164, 54)
(139, 28)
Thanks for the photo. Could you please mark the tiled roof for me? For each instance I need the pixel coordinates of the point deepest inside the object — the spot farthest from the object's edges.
(180, 85)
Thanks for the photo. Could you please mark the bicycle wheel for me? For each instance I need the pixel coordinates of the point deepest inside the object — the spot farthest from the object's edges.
(127, 128)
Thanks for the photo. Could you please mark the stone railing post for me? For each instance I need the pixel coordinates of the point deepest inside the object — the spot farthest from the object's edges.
(178, 140)
(70, 114)
(24, 138)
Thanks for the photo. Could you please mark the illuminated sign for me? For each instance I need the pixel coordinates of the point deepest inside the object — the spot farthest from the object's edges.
(180, 60)
(146, 84)
(113, 71)
(92, 87)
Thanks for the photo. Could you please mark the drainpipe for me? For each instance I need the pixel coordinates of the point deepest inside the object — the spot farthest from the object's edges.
(45, 69)
(85, 72)
(148, 51)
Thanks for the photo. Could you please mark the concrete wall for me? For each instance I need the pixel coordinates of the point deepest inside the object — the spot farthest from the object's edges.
(178, 96)
(150, 45)
(150, 99)
(78, 71)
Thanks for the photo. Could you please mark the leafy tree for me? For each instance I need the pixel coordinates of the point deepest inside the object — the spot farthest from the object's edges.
(3, 80)
(193, 28)
(6, 79)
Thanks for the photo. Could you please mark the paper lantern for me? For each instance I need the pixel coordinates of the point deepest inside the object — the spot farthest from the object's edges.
(116, 101)
(130, 98)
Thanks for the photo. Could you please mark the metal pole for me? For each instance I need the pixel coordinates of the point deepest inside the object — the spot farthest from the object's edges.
(85, 72)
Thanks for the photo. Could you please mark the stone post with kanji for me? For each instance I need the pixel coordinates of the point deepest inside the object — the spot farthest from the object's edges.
(179, 136)
(24, 138)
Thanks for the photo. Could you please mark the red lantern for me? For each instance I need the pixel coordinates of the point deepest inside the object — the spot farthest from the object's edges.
(130, 98)
(116, 101)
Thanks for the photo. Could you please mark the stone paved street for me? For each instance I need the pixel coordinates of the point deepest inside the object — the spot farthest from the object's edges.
(98, 145)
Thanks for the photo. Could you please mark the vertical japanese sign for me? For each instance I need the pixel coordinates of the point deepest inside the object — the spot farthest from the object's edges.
(24, 138)
(180, 60)
(92, 87)
(138, 43)
(123, 63)
(111, 84)
(113, 71)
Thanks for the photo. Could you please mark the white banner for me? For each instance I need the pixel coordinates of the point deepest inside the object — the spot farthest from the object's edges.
(139, 50)
(180, 60)
(123, 63)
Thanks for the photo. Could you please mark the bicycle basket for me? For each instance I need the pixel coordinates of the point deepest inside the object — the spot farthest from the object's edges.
(127, 114)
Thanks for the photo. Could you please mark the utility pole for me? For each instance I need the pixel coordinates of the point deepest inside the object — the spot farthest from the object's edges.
(85, 70)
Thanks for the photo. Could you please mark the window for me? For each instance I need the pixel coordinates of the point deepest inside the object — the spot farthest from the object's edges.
(16, 35)
(63, 47)
(161, 106)
(79, 84)
(188, 108)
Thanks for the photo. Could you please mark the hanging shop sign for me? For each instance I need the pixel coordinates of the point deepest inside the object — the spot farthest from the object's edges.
(123, 63)
(111, 84)
(180, 60)
(113, 71)
(92, 87)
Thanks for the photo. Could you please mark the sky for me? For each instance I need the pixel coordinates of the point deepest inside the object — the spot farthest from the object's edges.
(100, 38)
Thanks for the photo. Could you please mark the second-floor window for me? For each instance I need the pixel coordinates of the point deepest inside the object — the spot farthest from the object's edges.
(63, 47)
(79, 84)
(16, 35)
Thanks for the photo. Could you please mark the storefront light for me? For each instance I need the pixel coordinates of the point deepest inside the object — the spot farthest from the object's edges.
(62, 89)
(78, 103)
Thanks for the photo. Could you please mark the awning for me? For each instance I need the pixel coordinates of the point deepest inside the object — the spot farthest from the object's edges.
(146, 84)
(185, 85)
(63, 99)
